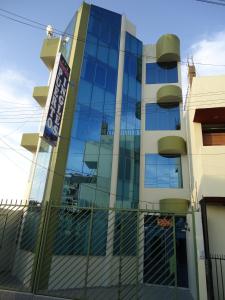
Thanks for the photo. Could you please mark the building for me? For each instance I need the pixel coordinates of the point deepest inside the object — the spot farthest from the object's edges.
(205, 119)
(111, 208)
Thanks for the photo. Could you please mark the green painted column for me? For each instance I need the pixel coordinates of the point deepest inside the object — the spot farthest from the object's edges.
(54, 185)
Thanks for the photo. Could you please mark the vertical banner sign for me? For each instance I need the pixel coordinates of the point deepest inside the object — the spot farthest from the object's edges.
(56, 99)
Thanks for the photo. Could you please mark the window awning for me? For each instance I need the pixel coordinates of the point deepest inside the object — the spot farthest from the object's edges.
(215, 115)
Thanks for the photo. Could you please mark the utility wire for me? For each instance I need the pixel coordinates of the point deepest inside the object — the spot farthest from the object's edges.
(20, 118)
(221, 3)
(60, 32)
(78, 171)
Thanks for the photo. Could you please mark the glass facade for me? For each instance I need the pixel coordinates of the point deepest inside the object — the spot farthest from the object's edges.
(125, 235)
(40, 172)
(74, 229)
(67, 38)
(161, 72)
(129, 153)
(163, 171)
(88, 171)
(162, 116)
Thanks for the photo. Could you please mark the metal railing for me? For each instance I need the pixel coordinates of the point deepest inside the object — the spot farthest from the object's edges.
(19, 227)
(89, 253)
(218, 275)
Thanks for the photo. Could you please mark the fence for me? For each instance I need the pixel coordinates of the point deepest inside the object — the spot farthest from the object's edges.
(218, 273)
(93, 253)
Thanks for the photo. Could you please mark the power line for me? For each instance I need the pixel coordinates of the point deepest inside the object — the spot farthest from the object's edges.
(221, 3)
(83, 173)
(60, 32)
(37, 118)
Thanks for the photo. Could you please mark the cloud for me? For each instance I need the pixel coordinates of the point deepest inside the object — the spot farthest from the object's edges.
(207, 52)
(211, 51)
(18, 113)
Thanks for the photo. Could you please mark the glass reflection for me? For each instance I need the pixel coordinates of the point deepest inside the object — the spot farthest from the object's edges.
(88, 171)
(163, 171)
(165, 72)
(67, 38)
(129, 154)
(162, 116)
(40, 172)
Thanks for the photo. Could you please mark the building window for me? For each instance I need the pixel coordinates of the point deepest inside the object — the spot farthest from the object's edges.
(163, 171)
(161, 72)
(125, 234)
(162, 117)
(213, 134)
(130, 124)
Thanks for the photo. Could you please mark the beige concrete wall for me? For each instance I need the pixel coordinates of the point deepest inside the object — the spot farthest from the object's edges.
(207, 162)
(149, 139)
(216, 221)
(200, 257)
(207, 167)
(70, 271)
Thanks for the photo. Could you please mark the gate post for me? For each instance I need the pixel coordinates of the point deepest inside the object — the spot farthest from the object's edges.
(175, 254)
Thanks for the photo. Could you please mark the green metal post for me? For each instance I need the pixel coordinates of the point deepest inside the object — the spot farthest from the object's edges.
(88, 252)
(40, 244)
(175, 254)
(54, 185)
(137, 255)
(195, 252)
(120, 258)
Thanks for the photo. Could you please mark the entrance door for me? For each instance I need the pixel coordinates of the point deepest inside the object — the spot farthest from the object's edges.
(165, 258)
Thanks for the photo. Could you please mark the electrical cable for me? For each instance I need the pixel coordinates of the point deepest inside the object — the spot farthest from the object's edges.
(212, 2)
(148, 56)
(60, 32)
(77, 172)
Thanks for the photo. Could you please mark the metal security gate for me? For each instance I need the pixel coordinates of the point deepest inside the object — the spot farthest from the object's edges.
(218, 276)
(159, 251)
(93, 253)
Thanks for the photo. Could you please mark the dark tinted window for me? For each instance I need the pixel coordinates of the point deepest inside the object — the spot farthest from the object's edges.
(161, 72)
(129, 155)
(163, 171)
(162, 117)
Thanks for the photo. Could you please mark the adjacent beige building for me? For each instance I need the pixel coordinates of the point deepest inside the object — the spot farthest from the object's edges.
(205, 112)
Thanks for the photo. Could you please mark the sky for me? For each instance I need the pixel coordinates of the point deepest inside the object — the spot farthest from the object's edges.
(200, 27)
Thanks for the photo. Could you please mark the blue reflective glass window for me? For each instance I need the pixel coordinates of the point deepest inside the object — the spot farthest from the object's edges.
(66, 45)
(88, 70)
(163, 171)
(128, 173)
(98, 97)
(111, 80)
(91, 45)
(113, 58)
(100, 75)
(103, 53)
(161, 72)
(94, 26)
(85, 91)
(162, 116)
(88, 172)
(94, 115)
(40, 172)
